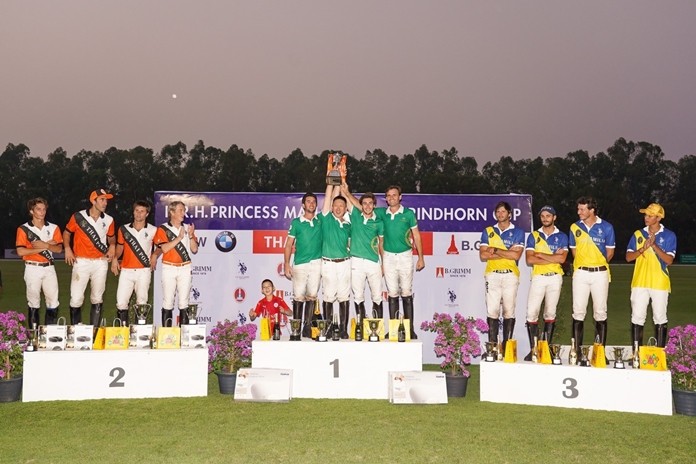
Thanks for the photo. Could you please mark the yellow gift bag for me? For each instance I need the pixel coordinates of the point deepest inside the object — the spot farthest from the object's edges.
(598, 355)
(652, 357)
(99, 337)
(265, 328)
(394, 329)
(510, 351)
(168, 338)
(543, 352)
(116, 337)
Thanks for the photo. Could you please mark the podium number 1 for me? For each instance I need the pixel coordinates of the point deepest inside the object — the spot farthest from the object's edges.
(335, 366)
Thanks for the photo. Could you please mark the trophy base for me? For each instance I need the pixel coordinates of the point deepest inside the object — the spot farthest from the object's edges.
(619, 365)
(584, 364)
(142, 321)
(321, 338)
(374, 338)
(334, 180)
(295, 338)
(490, 358)
(556, 362)
(193, 321)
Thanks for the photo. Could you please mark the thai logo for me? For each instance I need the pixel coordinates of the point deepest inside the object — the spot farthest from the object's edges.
(239, 295)
(225, 241)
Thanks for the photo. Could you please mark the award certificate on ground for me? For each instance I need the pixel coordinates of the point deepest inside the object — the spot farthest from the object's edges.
(254, 384)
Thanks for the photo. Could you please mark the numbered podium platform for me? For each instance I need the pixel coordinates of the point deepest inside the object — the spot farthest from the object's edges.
(342, 369)
(82, 375)
(608, 389)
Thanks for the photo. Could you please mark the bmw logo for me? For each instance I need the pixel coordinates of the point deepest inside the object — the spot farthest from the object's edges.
(225, 241)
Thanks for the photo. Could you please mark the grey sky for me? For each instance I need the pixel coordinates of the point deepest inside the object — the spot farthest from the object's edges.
(491, 78)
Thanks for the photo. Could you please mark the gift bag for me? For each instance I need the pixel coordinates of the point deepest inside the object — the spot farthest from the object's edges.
(394, 329)
(99, 337)
(168, 338)
(543, 352)
(116, 337)
(57, 335)
(351, 332)
(265, 328)
(510, 351)
(652, 357)
(598, 355)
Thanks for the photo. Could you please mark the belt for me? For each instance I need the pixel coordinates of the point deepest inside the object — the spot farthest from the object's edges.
(502, 271)
(593, 269)
(548, 274)
(176, 264)
(34, 263)
(336, 260)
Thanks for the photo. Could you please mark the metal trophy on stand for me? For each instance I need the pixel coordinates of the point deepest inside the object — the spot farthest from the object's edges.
(141, 312)
(618, 357)
(322, 325)
(491, 355)
(585, 360)
(555, 354)
(374, 327)
(192, 313)
(295, 329)
(335, 169)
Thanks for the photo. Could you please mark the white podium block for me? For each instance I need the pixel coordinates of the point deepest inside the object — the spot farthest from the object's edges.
(607, 389)
(97, 374)
(343, 369)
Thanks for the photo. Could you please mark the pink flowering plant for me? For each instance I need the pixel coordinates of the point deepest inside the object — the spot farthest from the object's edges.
(13, 339)
(681, 357)
(229, 346)
(457, 340)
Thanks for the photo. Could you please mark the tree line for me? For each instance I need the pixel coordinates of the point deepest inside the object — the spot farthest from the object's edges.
(626, 177)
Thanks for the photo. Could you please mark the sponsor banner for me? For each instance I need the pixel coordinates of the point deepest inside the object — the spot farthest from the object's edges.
(242, 237)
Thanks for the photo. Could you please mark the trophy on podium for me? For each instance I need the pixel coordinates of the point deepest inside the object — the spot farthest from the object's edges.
(295, 328)
(585, 358)
(141, 312)
(555, 354)
(374, 327)
(618, 357)
(491, 349)
(192, 313)
(322, 325)
(335, 169)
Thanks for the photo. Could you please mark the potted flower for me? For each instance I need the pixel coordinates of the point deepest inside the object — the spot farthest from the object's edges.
(681, 359)
(229, 349)
(458, 342)
(13, 338)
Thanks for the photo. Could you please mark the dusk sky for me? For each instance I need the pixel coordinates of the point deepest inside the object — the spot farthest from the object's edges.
(490, 78)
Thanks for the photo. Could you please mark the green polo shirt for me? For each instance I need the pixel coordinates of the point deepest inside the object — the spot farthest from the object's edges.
(364, 235)
(335, 237)
(397, 228)
(308, 238)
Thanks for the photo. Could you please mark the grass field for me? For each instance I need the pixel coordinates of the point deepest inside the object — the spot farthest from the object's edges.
(215, 429)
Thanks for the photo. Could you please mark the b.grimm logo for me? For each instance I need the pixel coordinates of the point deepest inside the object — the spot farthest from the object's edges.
(225, 241)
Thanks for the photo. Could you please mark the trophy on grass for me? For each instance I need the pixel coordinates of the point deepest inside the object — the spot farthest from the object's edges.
(491, 352)
(555, 354)
(295, 329)
(192, 313)
(141, 312)
(584, 359)
(335, 169)
(618, 357)
(323, 326)
(374, 327)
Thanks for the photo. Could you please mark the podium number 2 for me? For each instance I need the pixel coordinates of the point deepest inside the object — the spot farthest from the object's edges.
(335, 366)
(119, 373)
(570, 384)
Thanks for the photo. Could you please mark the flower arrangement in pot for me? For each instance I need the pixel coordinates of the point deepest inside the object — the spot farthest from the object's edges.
(13, 338)
(229, 349)
(457, 341)
(681, 360)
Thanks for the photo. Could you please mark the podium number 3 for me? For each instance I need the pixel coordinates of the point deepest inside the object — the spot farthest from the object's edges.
(119, 373)
(570, 384)
(335, 366)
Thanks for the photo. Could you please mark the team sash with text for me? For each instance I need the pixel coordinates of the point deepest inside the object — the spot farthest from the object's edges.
(90, 232)
(179, 248)
(32, 238)
(135, 247)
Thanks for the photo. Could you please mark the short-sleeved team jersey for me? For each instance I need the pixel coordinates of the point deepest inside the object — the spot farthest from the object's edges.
(173, 256)
(47, 233)
(335, 236)
(397, 228)
(82, 245)
(137, 245)
(650, 271)
(270, 308)
(539, 241)
(308, 239)
(505, 240)
(364, 235)
(591, 244)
